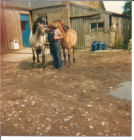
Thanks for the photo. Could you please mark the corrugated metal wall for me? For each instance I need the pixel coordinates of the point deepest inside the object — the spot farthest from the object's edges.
(80, 10)
(53, 13)
(85, 35)
(82, 25)
(78, 25)
(120, 30)
(91, 4)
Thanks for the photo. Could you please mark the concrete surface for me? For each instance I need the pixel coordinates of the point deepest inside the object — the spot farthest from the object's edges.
(19, 55)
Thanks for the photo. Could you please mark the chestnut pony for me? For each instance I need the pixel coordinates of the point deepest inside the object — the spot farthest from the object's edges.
(69, 40)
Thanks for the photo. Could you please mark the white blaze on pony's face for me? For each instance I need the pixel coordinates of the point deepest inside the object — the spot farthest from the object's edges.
(41, 29)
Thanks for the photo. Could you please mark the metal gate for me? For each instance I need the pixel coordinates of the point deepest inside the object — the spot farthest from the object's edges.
(78, 25)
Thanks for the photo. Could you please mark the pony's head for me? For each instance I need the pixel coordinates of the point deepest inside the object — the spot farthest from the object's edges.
(39, 26)
(65, 27)
(58, 23)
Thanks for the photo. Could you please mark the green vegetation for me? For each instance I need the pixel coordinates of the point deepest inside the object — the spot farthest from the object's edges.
(127, 9)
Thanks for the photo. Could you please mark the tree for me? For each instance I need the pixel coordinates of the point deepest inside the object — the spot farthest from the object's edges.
(127, 9)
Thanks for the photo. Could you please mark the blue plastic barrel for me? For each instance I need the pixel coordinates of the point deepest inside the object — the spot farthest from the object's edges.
(105, 46)
(99, 45)
(94, 46)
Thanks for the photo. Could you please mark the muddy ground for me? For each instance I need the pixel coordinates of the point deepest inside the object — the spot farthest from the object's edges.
(70, 102)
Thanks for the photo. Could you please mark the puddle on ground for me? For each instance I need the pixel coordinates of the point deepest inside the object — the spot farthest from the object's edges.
(124, 91)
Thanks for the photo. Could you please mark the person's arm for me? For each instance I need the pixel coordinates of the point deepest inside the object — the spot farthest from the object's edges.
(58, 35)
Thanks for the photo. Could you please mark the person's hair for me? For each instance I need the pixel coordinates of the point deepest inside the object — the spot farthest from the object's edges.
(53, 26)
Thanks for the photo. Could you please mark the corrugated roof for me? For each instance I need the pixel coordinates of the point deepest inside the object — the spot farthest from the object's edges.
(117, 14)
(37, 4)
(102, 11)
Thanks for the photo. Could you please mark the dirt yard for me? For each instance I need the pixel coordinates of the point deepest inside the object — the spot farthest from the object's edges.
(70, 102)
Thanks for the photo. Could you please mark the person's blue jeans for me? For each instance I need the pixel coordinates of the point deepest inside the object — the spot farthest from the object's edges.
(56, 55)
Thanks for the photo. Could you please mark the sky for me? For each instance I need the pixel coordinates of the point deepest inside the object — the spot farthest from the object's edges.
(114, 6)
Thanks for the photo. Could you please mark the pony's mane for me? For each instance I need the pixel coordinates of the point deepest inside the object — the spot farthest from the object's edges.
(38, 20)
(65, 27)
(58, 21)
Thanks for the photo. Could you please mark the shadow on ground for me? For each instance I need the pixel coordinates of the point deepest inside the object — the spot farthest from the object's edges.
(28, 65)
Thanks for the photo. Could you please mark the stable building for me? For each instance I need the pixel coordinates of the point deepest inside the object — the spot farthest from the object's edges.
(15, 25)
(88, 19)
(91, 24)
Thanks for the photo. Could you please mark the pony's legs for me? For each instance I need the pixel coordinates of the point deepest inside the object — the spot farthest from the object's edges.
(43, 57)
(74, 54)
(69, 55)
(34, 52)
(38, 61)
(64, 55)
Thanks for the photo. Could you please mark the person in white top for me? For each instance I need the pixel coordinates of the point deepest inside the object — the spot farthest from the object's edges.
(54, 36)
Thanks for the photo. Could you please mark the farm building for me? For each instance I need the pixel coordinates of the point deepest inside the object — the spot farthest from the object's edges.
(90, 23)
(88, 19)
(16, 25)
